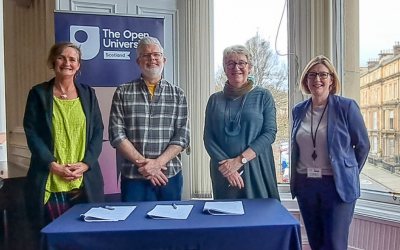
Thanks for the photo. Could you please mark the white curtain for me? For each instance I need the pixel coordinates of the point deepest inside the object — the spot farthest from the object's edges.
(196, 57)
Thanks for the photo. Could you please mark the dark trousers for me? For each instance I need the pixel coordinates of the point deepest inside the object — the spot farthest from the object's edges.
(143, 190)
(326, 217)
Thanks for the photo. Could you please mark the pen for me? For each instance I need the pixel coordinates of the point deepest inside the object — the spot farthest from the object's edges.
(174, 206)
(109, 208)
(240, 173)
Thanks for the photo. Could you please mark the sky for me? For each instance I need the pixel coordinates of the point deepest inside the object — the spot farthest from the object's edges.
(379, 22)
(236, 21)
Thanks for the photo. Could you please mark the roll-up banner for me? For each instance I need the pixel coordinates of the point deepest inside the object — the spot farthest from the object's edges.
(108, 44)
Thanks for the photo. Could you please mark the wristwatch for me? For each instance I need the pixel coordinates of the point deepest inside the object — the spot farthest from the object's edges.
(244, 160)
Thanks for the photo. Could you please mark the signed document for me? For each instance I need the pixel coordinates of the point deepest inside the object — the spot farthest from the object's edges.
(170, 212)
(224, 208)
(107, 213)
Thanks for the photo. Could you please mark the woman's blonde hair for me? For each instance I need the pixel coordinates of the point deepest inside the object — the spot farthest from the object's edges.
(334, 88)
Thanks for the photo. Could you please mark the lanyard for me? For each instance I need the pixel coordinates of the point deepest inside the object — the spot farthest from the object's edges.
(314, 136)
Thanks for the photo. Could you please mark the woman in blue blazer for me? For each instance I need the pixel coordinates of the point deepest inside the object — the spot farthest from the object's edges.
(329, 147)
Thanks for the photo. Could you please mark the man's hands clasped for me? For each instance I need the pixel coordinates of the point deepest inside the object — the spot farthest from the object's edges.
(151, 170)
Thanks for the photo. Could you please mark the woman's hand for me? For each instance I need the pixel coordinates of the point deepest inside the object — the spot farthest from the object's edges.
(77, 170)
(69, 172)
(61, 170)
(229, 166)
(236, 180)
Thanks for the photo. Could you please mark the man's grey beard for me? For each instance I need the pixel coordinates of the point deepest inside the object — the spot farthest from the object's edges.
(152, 72)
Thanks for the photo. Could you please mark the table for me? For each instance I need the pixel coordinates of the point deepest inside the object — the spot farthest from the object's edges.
(266, 224)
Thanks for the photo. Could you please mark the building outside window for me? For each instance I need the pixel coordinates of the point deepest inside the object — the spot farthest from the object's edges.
(383, 164)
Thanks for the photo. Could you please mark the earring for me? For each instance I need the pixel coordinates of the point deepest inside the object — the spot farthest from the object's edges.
(78, 74)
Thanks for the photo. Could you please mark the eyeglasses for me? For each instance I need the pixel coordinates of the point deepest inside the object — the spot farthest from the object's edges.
(322, 75)
(232, 65)
(148, 56)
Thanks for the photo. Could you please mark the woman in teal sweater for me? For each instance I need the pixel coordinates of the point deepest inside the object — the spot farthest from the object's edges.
(239, 129)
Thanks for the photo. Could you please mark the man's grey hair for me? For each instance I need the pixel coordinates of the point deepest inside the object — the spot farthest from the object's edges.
(239, 50)
(148, 40)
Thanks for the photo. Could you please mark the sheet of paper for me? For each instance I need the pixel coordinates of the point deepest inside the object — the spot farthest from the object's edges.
(224, 208)
(110, 213)
(169, 212)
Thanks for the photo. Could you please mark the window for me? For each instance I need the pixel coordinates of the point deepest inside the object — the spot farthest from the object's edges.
(392, 91)
(386, 93)
(375, 145)
(379, 95)
(391, 147)
(391, 119)
(375, 120)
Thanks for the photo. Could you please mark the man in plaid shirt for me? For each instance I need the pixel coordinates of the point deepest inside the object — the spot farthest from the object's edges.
(149, 127)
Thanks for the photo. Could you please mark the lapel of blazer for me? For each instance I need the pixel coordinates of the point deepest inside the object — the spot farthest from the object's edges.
(48, 103)
(302, 113)
(333, 107)
(85, 99)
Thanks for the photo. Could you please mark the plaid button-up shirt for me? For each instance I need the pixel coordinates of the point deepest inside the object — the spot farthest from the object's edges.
(151, 125)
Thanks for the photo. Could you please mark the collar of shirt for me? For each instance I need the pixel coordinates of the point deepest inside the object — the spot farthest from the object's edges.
(161, 82)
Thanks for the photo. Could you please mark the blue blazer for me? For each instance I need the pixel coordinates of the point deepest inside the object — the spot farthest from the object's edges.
(347, 140)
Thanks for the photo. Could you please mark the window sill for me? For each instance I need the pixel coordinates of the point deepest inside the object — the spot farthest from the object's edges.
(372, 204)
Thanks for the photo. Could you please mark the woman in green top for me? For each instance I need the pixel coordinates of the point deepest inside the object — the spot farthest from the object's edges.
(64, 131)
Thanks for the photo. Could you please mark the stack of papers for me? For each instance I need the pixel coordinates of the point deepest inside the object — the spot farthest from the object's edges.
(108, 213)
(170, 212)
(224, 208)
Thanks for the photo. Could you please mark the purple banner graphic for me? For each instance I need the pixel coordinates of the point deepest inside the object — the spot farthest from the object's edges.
(108, 44)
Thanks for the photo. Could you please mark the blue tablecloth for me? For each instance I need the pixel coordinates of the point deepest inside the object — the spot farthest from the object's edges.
(266, 224)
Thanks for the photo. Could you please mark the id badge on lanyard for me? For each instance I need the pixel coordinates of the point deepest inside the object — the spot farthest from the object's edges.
(314, 173)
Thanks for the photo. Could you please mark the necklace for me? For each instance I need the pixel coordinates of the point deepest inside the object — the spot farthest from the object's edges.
(63, 94)
(232, 126)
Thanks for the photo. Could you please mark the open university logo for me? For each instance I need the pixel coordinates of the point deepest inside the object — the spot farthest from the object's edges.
(88, 38)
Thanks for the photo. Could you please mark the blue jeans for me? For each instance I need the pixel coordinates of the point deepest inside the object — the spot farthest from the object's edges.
(326, 216)
(143, 190)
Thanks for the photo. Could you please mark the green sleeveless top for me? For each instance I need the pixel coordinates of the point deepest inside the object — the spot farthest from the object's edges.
(69, 137)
